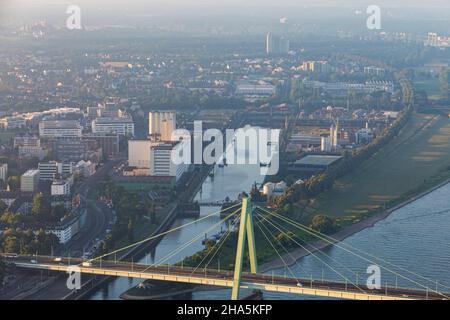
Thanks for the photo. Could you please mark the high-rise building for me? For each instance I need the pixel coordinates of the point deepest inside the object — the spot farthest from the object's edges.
(29, 182)
(161, 124)
(4, 172)
(156, 157)
(433, 39)
(276, 44)
(162, 162)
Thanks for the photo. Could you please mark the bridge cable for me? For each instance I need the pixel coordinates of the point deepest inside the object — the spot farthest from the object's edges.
(319, 259)
(327, 256)
(218, 249)
(161, 234)
(193, 240)
(295, 262)
(219, 245)
(277, 252)
(336, 242)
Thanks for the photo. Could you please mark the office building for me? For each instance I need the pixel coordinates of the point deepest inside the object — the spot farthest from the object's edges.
(27, 141)
(70, 150)
(316, 66)
(147, 157)
(9, 123)
(49, 170)
(29, 182)
(60, 129)
(61, 187)
(161, 161)
(109, 143)
(161, 124)
(121, 126)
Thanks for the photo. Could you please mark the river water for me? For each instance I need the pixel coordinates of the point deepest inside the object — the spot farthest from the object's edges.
(415, 237)
(227, 182)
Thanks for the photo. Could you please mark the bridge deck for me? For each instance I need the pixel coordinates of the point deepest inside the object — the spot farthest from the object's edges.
(225, 279)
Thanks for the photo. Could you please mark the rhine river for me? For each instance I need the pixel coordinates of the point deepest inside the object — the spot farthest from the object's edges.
(227, 182)
(415, 237)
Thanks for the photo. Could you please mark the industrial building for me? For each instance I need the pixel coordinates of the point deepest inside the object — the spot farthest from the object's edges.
(313, 164)
(161, 124)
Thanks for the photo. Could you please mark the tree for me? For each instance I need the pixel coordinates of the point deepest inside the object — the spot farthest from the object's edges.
(152, 213)
(3, 207)
(40, 208)
(444, 80)
(58, 212)
(130, 229)
(11, 244)
(323, 224)
(14, 183)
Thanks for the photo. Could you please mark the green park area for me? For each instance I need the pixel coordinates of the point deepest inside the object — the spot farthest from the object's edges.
(416, 160)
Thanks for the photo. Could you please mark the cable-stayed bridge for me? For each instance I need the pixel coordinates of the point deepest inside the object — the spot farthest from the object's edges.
(267, 223)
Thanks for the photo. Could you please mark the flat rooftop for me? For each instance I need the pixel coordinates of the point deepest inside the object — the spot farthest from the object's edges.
(30, 173)
(318, 160)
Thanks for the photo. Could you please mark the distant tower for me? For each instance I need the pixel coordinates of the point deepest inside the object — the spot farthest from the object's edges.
(334, 130)
(270, 43)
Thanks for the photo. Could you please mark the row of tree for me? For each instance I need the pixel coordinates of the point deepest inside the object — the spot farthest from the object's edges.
(42, 212)
(27, 241)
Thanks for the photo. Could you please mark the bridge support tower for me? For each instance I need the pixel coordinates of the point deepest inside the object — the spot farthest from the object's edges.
(246, 234)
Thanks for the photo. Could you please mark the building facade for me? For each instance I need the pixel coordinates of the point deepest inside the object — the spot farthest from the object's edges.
(60, 129)
(29, 182)
(120, 126)
(161, 124)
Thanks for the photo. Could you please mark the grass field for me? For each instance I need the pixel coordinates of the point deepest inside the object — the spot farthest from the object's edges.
(419, 157)
(432, 87)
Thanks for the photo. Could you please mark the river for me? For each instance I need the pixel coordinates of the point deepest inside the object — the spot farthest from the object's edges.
(415, 237)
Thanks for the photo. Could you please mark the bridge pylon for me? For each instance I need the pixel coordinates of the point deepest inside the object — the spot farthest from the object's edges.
(246, 232)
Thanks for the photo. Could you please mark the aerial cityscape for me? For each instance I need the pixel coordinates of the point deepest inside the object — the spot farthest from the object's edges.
(193, 150)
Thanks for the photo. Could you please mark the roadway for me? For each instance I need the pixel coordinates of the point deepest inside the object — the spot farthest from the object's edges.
(98, 217)
(225, 279)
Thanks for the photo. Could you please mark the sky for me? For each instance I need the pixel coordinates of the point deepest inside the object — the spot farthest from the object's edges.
(237, 3)
(104, 11)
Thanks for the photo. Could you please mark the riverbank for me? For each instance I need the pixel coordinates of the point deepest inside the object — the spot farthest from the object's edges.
(342, 234)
